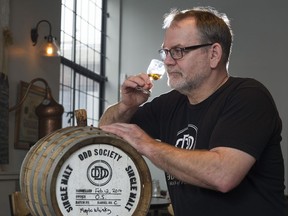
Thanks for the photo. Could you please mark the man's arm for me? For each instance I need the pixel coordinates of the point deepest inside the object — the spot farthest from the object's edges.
(220, 168)
(130, 101)
(117, 113)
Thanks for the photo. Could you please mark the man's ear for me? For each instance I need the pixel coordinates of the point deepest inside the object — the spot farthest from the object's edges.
(215, 54)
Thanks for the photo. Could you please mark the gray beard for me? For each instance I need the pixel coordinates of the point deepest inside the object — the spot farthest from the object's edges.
(188, 86)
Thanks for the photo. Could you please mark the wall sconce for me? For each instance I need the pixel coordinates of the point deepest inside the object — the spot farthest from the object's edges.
(49, 47)
(49, 112)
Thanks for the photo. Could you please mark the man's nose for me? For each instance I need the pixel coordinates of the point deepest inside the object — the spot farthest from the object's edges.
(168, 59)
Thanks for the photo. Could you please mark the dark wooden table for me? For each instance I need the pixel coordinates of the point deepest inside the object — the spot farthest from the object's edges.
(158, 203)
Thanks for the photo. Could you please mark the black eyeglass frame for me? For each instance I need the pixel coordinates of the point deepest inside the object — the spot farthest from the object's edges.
(163, 52)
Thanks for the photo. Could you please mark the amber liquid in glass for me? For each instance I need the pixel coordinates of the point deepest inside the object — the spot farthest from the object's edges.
(155, 76)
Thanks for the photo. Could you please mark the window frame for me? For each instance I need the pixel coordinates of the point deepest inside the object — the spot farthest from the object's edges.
(77, 69)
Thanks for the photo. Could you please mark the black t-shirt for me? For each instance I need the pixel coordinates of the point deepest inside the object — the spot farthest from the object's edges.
(241, 115)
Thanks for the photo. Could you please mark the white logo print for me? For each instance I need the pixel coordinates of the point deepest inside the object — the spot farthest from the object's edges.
(186, 138)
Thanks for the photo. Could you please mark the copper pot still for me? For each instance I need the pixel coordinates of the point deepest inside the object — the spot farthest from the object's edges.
(49, 112)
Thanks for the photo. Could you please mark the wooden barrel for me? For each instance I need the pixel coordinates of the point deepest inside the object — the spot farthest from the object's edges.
(85, 171)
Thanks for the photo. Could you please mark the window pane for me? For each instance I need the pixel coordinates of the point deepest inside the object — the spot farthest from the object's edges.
(69, 4)
(67, 32)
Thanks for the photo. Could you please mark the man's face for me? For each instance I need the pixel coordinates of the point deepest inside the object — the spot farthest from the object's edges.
(189, 72)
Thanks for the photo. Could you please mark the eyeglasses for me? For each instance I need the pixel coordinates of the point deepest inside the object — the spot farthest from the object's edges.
(178, 52)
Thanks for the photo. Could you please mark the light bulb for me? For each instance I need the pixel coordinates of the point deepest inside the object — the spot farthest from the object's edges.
(49, 48)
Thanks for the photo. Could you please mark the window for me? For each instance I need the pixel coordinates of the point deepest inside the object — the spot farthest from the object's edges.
(82, 76)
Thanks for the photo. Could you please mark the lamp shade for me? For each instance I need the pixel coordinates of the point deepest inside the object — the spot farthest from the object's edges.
(49, 48)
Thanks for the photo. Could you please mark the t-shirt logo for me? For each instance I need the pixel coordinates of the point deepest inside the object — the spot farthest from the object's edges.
(186, 138)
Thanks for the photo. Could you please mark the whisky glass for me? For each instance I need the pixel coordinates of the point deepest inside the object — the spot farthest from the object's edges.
(155, 71)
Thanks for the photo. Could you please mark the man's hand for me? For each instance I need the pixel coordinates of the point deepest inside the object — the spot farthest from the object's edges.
(130, 96)
(131, 99)
(133, 134)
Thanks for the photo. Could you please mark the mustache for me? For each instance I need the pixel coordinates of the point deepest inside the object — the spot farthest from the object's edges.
(171, 71)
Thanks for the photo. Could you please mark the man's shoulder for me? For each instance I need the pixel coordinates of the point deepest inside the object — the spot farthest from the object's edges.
(244, 82)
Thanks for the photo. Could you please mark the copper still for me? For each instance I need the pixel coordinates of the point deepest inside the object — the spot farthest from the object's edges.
(49, 112)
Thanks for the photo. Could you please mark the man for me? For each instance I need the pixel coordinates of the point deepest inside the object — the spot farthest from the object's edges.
(220, 135)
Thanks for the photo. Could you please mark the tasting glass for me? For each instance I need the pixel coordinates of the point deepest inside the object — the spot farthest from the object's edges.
(156, 190)
(155, 71)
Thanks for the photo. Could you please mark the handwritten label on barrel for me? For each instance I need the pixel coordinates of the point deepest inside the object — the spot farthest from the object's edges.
(98, 179)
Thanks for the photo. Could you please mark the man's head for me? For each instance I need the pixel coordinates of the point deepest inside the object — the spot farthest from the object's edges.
(212, 26)
(195, 50)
